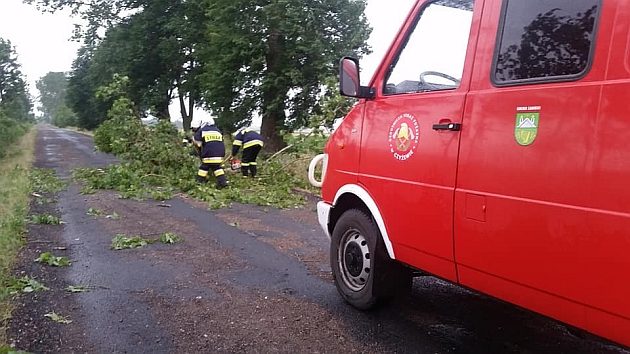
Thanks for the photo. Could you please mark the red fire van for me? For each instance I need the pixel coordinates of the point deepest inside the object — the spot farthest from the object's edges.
(491, 149)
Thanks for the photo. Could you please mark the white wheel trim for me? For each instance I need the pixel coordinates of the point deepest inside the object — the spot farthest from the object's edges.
(362, 194)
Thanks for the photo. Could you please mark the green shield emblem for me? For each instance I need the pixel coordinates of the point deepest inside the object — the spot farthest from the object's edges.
(526, 128)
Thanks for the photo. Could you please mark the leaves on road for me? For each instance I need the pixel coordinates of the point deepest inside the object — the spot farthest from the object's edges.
(52, 260)
(44, 180)
(94, 212)
(170, 238)
(77, 288)
(10, 350)
(58, 318)
(26, 284)
(121, 242)
(45, 219)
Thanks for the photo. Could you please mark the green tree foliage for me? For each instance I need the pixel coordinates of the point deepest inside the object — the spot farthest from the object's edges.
(96, 14)
(331, 105)
(64, 117)
(123, 128)
(82, 92)
(10, 131)
(15, 103)
(154, 45)
(272, 56)
(52, 96)
(157, 166)
(237, 57)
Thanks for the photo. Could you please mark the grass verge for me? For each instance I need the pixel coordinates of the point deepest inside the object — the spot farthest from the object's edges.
(80, 131)
(15, 190)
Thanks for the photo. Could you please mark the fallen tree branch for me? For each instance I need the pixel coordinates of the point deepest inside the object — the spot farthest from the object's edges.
(279, 152)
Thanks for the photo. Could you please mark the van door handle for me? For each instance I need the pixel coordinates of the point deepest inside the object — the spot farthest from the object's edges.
(454, 127)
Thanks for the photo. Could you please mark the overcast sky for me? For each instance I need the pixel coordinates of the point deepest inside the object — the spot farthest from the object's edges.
(42, 41)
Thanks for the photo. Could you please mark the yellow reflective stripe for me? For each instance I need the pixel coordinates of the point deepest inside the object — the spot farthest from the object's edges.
(252, 143)
(219, 172)
(211, 136)
(253, 163)
(238, 143)
(212, 160)
(244, 164)
(202, 173)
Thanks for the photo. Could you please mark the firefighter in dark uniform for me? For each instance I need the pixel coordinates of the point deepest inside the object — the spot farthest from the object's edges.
(209, 141)
(252, 143)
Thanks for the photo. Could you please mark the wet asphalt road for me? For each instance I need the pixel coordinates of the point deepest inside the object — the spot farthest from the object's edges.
(246, 279)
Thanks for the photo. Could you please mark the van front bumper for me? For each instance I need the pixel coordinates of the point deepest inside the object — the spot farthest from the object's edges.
(323, 213)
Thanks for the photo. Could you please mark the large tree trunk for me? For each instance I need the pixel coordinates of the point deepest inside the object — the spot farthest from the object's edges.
(274, 94)
(191, 109)
(162, 108)
(269, 130)
(186, 116)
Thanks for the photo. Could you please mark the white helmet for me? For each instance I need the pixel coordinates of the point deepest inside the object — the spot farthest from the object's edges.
(202, 121)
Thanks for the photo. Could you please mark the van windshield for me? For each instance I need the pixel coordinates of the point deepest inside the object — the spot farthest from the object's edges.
(432, 57)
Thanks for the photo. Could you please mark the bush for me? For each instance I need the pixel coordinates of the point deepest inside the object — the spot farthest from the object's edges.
(10, 132)
(121, 132)
(64, 117)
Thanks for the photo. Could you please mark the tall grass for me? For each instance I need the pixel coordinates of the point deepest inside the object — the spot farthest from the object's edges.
(10, 131)
(14, 197)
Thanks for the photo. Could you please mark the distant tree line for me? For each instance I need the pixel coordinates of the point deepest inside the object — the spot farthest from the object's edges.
(53, 89)
(15, 102)
(235, 58)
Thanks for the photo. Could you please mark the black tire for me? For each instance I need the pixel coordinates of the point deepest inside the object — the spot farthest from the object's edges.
(364, 274)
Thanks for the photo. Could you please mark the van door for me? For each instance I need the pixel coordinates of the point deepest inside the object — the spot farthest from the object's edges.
(531, 224)
(411, 131)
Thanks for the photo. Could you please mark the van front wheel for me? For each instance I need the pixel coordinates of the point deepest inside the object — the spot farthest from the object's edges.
(363, 272)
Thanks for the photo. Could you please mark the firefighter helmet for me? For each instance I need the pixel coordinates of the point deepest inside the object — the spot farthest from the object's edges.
(202, 121)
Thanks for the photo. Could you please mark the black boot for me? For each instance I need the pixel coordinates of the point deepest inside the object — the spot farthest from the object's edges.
(245, 170)
(222, 182)
(201, 179)
(252, 170)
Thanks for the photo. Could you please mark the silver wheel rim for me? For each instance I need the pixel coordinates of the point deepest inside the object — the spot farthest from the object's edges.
(354, 259)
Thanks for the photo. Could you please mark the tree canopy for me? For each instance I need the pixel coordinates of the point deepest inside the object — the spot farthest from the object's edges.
(154, 47)
(52, 96)
(272, 56)
(15, 102)
(237, 58)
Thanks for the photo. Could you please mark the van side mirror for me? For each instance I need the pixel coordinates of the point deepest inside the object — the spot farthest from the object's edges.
(350, 81)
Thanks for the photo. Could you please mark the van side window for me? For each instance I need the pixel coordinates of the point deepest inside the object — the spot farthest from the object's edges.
(544, 40)
(432, 56)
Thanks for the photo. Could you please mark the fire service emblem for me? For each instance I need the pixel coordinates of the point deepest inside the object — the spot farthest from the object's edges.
(403, 136)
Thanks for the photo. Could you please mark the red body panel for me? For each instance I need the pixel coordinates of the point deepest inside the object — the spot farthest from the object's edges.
(415, 196)
(343, 150)
(546, 225)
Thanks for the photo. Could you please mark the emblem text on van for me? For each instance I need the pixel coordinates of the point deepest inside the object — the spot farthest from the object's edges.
(403, 136)
(526, 127)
